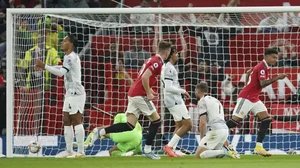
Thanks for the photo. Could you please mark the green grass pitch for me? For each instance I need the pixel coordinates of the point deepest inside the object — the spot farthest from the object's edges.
(278, 161)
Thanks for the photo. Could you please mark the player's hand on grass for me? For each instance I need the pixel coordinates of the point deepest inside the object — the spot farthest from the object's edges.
(281, 76)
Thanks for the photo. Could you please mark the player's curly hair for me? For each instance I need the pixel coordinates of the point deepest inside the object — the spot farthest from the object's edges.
(173, 50)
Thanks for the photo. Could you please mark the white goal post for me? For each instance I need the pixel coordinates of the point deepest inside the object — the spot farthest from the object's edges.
(30, 109)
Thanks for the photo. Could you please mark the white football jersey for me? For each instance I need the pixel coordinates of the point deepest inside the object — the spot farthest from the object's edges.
(172, 90)
(214, 111)
(72, 78)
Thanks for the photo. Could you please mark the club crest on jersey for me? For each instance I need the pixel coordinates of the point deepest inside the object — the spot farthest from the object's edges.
(155, 65)
(262, 72)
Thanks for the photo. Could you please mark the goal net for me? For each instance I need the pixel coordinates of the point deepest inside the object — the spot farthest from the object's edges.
(215, 45)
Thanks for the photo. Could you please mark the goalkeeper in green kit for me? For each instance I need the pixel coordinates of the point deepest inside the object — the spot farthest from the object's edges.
(129, 143)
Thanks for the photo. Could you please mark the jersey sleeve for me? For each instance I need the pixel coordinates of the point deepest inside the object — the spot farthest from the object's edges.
(67, 64)
(155, 67)
(262, 74)
(202, 108)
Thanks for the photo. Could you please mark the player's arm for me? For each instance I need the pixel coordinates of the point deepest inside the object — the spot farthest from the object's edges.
(202, 108)
(168, 82)
(264, 83)
(248, 73)
(145, 81)
(170, 88)
(202, 125)
(58, 71)
(54, 69)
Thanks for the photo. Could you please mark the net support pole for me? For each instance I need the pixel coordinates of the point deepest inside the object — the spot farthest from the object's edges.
(162, 109)
(9, 85)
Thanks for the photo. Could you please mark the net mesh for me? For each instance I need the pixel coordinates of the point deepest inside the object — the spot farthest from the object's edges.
(216, 48)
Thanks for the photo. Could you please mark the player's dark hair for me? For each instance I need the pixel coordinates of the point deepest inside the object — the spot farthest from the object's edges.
(163, 45)
(73, 40)
(202, 86)
(173, 50)
(270, 51)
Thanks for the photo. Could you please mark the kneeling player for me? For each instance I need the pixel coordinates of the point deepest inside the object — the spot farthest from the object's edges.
(128, 143)
(212, 124)
(174, 102)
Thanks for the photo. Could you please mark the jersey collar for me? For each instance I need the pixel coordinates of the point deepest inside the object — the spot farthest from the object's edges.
(160, 58)
(266, 64)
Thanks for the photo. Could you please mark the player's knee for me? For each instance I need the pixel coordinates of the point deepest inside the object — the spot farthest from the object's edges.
(232, 123)
(266, 121)
(67, 121)
(187, 124)
(130, 126)
(156, 123)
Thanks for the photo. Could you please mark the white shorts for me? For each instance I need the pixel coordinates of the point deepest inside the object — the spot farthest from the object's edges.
(244, 106)
(179, 112)
(140, 104)
(214, 139)
(74, 104)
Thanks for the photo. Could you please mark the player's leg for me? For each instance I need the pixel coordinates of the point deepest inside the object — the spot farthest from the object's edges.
(260, 111)
(211, 145)
(77, 108)
(68, 131)
(132, 117)
(148, 109)
(177, 126)
(114, 151)
(180, 115)
(153, 128)
(241, 109)
(115, 128)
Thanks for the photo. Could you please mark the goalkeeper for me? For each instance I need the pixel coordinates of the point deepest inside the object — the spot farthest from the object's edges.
(129, 143)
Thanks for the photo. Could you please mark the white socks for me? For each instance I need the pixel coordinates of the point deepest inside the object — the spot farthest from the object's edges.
(147, 148)
(69, 137)
(258, 144)
(79, 134)
(212, 154)
(174, 147)
(174, 141)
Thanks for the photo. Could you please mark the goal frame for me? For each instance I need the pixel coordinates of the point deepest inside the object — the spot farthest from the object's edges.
(185, 10)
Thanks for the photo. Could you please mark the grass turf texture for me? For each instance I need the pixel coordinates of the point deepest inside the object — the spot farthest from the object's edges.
(278, 161)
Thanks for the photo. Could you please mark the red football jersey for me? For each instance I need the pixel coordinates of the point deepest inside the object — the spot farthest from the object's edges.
(253, 88)
(154, 64)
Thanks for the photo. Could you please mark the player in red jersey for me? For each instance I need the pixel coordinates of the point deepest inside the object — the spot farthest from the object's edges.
(140, 98)
(257, 78)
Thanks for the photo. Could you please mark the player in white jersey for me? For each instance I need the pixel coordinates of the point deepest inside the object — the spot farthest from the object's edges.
(212, 126)
(174, 102)
(74, 98)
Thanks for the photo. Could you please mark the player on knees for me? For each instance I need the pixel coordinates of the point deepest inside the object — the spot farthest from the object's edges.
(212, 126)
(129, 143)
(74, 98)
(174, 102)
(248, 99)
(140, 98)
